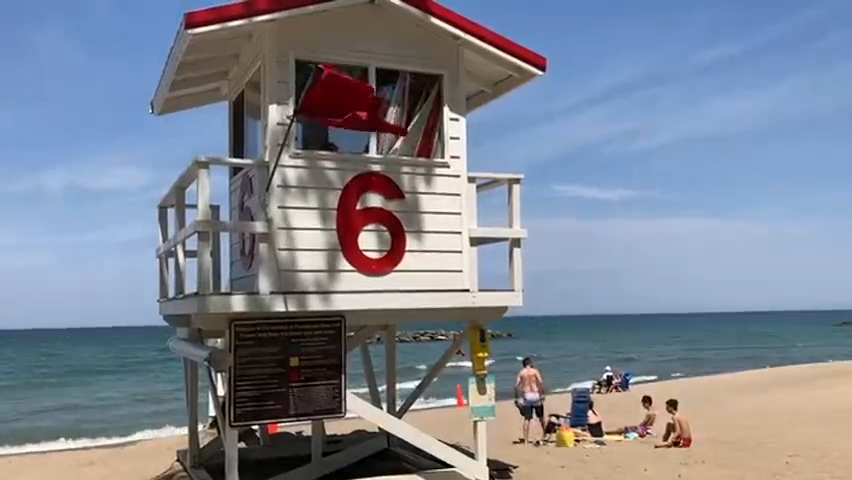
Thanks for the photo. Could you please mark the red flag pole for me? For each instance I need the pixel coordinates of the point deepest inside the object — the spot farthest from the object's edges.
(339, 101)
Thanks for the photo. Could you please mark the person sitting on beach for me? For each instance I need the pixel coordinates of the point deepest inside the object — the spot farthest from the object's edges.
(529, 391)
(617, 378)
(678, 431)
(643, 429)
(604, 385)
(594, 426)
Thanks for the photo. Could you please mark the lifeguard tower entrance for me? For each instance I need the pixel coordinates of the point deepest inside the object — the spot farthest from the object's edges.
(350, 212)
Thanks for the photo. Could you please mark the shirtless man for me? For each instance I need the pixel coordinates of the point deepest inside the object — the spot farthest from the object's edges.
(678, 431)
(644, 427)
(529, 391)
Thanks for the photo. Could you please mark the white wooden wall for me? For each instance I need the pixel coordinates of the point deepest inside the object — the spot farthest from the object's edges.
(245, 279)
(305, 199)
(306, 190)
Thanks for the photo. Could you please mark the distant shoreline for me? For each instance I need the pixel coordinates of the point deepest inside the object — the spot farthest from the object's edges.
(506, 317)
(664, 314)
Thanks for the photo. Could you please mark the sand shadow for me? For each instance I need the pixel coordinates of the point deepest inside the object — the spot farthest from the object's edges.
(174, 472)
(402, 459)
(499, 469)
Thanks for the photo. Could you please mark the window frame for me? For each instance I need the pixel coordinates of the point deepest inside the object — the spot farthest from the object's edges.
(372, 65)
(237, 117)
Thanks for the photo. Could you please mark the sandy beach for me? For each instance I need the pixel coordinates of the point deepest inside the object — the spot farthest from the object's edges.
(780, 423)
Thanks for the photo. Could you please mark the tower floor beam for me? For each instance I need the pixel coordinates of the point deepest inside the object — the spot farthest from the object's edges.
(226, 446)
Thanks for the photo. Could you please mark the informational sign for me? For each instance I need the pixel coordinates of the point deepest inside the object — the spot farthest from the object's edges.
(481, 393)
(287, 370)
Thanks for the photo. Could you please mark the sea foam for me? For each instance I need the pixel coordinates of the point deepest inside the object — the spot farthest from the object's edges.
(64, 444)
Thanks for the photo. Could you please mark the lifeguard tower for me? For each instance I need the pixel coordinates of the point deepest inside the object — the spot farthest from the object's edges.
(334, 235)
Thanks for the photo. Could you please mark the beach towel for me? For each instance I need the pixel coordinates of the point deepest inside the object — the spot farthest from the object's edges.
(602, 441)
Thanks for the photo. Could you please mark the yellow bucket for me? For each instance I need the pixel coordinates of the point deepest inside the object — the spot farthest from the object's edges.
(565, 437)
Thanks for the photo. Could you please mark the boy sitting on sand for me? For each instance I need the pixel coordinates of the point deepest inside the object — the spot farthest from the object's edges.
(643, 429)
(678, 431)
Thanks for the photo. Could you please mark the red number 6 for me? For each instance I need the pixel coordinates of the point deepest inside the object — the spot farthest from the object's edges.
(351, 221)
(248, 241)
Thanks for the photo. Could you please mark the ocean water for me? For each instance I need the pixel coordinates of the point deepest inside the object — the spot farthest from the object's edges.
(77, 388)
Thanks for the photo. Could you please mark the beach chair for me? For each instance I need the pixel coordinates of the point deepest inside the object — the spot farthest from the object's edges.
(577, 418)
(579, 415)
(625, 382)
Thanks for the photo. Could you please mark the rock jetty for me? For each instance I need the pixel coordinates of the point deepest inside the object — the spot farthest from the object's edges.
(422, 336)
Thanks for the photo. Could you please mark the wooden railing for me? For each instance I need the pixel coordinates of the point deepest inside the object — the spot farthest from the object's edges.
(207, 228)
(511, 233)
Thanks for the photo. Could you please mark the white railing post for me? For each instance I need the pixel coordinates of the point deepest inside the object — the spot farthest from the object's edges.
(204, 255)
(163, 214)
(207, 225)
(514, 191)
(389, 340)
(216, 254)
(473, 252)
(515, 267)
(180, 248)
(512, 233)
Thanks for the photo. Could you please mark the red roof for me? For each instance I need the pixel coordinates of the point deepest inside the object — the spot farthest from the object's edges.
(255, 8)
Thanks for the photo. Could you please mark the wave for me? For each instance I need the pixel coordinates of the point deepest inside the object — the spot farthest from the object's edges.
(521, 359)
(644, 379)
(583, 384)
(63, 444)
(409, 385)
(457, 364)
(168, 431)
(590, 383)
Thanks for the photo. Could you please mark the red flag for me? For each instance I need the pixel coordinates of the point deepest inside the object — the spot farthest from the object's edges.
(337, 100)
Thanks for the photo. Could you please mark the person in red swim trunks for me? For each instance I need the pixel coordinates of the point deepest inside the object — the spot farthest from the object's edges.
(678, 431)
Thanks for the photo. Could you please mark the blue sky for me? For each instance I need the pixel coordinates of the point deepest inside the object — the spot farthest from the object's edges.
(680, 156)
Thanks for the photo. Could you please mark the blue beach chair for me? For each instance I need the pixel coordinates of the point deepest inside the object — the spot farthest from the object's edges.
(579, 415)
(625, 382)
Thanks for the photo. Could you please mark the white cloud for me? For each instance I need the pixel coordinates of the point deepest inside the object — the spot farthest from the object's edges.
(797, 98)
(589, 192)
(684, 264)
(27, 259)
(97, 177)
(671, 58)
(697, 109)
(43, 239)
(97, 274)
(760, 39)
(697, 94)
(110, 288)
(50, 43)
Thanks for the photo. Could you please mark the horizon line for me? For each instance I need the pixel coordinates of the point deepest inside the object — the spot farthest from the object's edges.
(536, 316)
